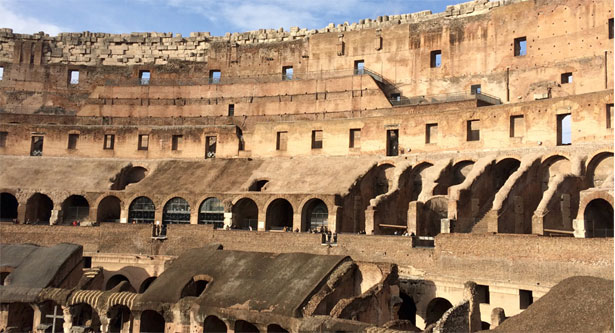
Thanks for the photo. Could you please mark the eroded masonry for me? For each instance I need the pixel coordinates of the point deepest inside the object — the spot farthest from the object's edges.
(441, 172)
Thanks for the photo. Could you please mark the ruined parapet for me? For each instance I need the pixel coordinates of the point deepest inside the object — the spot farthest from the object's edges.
(497, 317)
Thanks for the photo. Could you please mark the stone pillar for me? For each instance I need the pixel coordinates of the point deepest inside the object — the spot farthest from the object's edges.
(262, 218)
(68, 319)
(37, 317)
(194, 215)
(158, 213)
(446, 226)
(414, 216)
(124, 215)
(21, 213)
(297, 221)
(335, 218)
(228, 219)
(136, 322)
(104, 322)
(370, 226)
(4, 316)
(56, 215)
(470, 294)
(579, 228)
(497, 317)
(538, 224)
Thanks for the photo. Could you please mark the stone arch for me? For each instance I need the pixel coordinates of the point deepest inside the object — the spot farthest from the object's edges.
(275, 328)
(598, 217)
(314, 214)
(195, 287)
(120, 318)
(8, 207)
(176, 211)
(599, 169)
(407, 310)
(242, 326)
(433, 211)
(20, 317)
(128, 175)
(141, 210)
(151, 322)
(414, 180)
(211, 211)
(453, 175)
(38, 209)
(245, 214)
(504, 168)
(116, 279)
(214, 324)
(146, 283)
(435, 309)
(553, 166)
(75, 208)
(383, 178)
(279, 214)
(109, 209)
(84, 315)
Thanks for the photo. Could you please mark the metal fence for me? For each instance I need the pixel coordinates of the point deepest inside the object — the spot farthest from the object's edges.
(444, 98)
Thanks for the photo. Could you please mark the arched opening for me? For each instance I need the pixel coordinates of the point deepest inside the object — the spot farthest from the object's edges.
(194, 288)
(8, 207)
(20, 317)
(598, 218)
(275, 328)
(434, 210)
(435, 309)
(51, 314)
(258, 185)
(407, 310)
(117, 279)
(211, 211)
(553, 166)
(383, 179)
(151, 322)
(141, 210)
(599, 169)
(85, 317)
(315, 215)
(453, 176)
(244, 326)
(38, 209)
(120, 319)
(109, 210)
(146, 283)
(245, 214)
(484, 326)
(503, 170)
(214, 324)
(128, 175)
(176, 210)
(280, 215)
(75, 208)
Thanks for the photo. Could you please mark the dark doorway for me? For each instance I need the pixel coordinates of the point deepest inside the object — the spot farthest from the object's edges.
(75, 208)
(20, 317)
(392, 142)
(8, 207)
(245, 214)
(85, 317)
(214, 324)
(598, 218)
(407, 310)
(435, 309)
(151, 322)
(36, 147)
(38, 209)
(146, 283)
(279, 215)
(117, 279)
(120, 319)
(315, 215)
(108, 210)
(275, 328)
(242, 326)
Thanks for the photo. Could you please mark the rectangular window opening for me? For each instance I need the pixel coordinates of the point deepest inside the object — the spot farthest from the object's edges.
(395, 98)
(74, 77)
(109, 141)
(392, 142)
(36, 146)
(436, 59)
(525, 299)
(566, 78)
(609, 115)
(1, 73)
(3, 136)
(431, 133)
(355, 138)
(143, 141)
(214, 76)
(475, 89)
(281, 142)
(610, 28)
(517, 126)
(564, 129)
(144, 78)
(231, 110)
(473, 130)
(482, 293)
(359, 67)
(317, 139)
(210, 146)
(176, 142)
(520, 46)
(72, 141)
(287, 73)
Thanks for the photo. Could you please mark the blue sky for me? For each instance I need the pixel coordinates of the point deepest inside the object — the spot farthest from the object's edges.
(185, 16)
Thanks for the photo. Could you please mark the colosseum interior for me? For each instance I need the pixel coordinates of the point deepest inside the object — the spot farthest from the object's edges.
(436, 172)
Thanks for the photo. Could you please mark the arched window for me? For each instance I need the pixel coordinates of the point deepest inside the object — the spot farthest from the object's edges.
(212, 212)
(177, 210)
(75, 208)
(141, 210)
(598, 218)
(8, 207)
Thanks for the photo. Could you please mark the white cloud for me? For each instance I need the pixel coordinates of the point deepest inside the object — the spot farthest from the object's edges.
(24, 24)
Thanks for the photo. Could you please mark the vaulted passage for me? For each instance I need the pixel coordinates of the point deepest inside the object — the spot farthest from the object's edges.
(315, 215)
(85, 317)
(120, 319)
(433, 212)
(407, 310)
(109, 210)
(279, 215)
(245, 214)
(213, 324)
(275, 328)
(176, 210)
(242, 326)
(435, 309)
(117, 279)
(598, 218)
(75, 208)
(141, 210)
(20, 317)
(8, 207)
(146, 283)
(151, 322)
(38, 209)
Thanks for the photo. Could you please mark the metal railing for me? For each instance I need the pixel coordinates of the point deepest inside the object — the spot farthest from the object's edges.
(444, 98)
